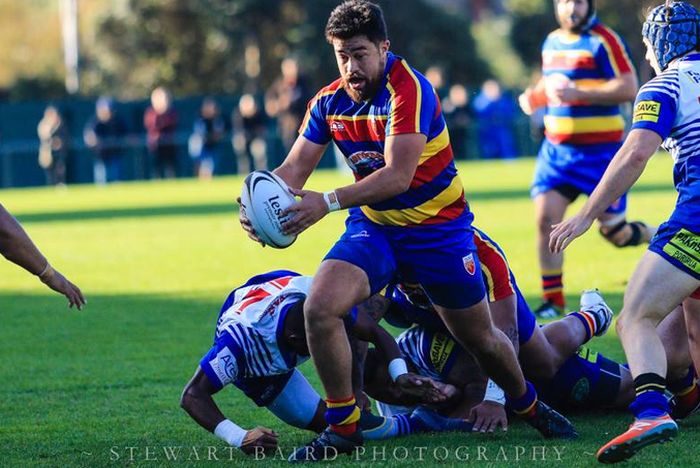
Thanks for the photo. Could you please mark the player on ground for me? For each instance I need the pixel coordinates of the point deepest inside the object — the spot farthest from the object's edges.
(259, 342)
(408, 215)
(17, 247)
(667, 110)
(586, 75)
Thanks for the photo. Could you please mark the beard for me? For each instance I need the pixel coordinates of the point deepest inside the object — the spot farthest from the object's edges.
(361, 89)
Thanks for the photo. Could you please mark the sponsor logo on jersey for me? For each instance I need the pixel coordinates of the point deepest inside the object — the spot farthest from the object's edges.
(225, 366)
(366, 162)
(685, 247)
(647, 111)
(440, 348)
(469, 264)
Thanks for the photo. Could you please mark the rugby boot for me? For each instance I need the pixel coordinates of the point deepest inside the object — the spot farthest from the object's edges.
(550, 423)
(593, 303)
(547, 310)
(327, 445)
(642, 432)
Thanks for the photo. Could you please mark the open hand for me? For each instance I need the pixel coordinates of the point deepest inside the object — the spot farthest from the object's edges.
(245, 223)
(56, 281)
(565, 232)
(421, 387)
(487, 416)
(306, 212)
(259, 437)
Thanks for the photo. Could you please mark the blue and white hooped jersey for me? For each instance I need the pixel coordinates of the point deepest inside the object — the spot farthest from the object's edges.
(669, 105)
(432, 353)
(248, 331)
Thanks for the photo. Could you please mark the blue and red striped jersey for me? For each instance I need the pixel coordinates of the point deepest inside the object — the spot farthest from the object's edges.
(587, 59)
(405, 103)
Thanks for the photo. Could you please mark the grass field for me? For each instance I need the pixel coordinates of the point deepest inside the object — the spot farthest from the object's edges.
(101, 387)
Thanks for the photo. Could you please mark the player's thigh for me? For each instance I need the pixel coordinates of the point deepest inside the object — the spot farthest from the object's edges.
(550, 207)
(504, 315)
(655, 289)
(336, 288)
(471, 326)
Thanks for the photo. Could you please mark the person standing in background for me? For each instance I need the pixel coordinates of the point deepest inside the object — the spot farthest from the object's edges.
(249, 129)
(161, 122)
(105, 134)
(286, 100)
(208, 130)
(53, 147)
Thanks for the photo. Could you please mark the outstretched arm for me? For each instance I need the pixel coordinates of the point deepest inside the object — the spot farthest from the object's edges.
(17, 247)
(623, 171)
(197, 401)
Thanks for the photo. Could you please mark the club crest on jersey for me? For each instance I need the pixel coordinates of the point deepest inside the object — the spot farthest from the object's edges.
(337, 126)
(469, 264)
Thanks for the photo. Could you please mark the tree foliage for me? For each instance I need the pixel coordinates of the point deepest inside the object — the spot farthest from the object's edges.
(201, 47)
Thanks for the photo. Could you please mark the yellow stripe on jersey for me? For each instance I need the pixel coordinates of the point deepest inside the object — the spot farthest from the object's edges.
(435, 145)
(495, 250)
(611, 53)
(419, 93)
(312, 104)
(572, 54)
(589, 83)
(573, 125)
(420, 213)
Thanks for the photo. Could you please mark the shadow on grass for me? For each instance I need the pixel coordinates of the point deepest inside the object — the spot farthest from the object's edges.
(232, 207)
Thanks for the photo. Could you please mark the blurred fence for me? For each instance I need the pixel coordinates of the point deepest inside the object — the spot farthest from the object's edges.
(19, 144)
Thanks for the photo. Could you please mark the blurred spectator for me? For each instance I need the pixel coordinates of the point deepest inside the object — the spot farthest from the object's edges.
(436, 76)
(458, 116)
(203, 143)
(160, 120)
(286, 100)
(495, 113)
(249, 135)
(105, 134)
(53, 147)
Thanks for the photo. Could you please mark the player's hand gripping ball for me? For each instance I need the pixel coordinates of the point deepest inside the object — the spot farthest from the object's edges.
(265, 196)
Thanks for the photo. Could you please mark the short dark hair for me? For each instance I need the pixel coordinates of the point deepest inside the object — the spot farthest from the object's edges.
(355, 18)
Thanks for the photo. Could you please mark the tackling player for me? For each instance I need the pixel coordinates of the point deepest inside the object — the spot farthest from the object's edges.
(586, 74)
(407, 215)
(667, 110)
(259, 342)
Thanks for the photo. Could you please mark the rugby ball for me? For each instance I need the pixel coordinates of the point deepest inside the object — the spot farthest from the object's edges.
(265, 196)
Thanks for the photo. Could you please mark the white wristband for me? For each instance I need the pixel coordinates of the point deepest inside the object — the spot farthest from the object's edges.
(331, 199)
(397, 368)
(230, 433)
(494, 393)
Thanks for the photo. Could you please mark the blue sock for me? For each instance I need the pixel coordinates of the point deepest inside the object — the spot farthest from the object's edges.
(524, 406)
(650, 401)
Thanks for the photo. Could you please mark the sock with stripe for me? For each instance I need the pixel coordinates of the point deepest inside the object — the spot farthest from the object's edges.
(590, 322)
(650, 401)
(553, 287)
(342, 415)
(524, 406)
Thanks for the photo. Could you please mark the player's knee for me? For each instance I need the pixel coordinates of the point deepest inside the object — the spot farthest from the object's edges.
(624, 234)
(545, 222)
(319, 309)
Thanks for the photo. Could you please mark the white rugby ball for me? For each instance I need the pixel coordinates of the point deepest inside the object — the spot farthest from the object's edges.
(263, 199)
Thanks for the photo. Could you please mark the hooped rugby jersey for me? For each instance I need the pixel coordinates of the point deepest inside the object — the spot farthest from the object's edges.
(249, 329)
(586, 59)
(404, 104)
(669, 105)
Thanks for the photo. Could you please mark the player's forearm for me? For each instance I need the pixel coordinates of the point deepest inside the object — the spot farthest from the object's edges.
(624, 170)
(378, 186)
(17, 247)
(616, 91)
(202, 408)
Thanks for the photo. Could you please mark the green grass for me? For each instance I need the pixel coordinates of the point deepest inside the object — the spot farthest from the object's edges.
(155, 260)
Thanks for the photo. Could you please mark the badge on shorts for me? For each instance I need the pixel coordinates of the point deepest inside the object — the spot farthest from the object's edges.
(469, 264)
(685, 247)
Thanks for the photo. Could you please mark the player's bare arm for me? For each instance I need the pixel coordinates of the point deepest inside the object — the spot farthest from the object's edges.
(615, 91)
(300, 162)
(624, 170)
(197, 400)
(402, 153)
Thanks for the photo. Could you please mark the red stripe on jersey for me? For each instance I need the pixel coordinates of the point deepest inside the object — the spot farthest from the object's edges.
(569, 63)
(433, 166)
(496, 264)
(357, 130)
(616, 47)
(696, 294)
(585, 138)
(448, 213)
(405, 99)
